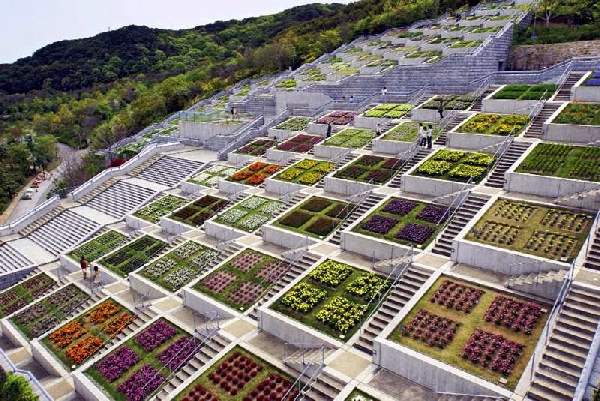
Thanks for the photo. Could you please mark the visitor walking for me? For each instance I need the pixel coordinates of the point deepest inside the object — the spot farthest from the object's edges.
(96, 275)
(329, 129)
(429, 136)
(442, 107)
(384, 92)
(378, 130)
(422, 135)
(233, 112)
(83, 263)
(351, 100)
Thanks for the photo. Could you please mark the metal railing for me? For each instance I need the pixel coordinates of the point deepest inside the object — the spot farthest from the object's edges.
(33, 381)
(306, 367)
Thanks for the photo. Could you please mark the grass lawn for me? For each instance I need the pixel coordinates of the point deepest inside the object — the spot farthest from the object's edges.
(352, 138)
(549, 232)
(451, 354)
(564, 161)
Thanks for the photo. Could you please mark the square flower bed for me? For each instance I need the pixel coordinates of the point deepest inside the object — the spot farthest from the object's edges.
(451, 102)
(250, 214)
(579, 114)
(454, 165)
(371, 169)
(159, 208)
(407, 132)
(133, 255)
(196, 213)
(99, 246)
(256, 148)
(300, 143)
(564, 161)
(526, 92)
(255, 174)
(21, 295)
(141, 365)
(353, 138)
(211, 176)
(389, 110)
(549, 232)
(241, 281)
(335, 298)
(181, 266)
(294, 124)
(492, 335)
(45, 314)
(240, 375)
(338, 118)
(495, 124)
(317, 217)
(306, 172)
(81, 338)
(404, 221)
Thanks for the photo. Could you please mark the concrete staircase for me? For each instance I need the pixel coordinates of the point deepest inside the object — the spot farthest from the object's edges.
(478, 104)
(358, 211)
(324, 388)
(592, 258)
(564, 92)
(11, 259)
(563, 360)
(456, 121)
(63, 232)
(120, 198)
(402, 292)
(464, 214)
(421, 154)
(168, 170)
(544, 284)
(512, 154)
(41, 220)
(536, 128)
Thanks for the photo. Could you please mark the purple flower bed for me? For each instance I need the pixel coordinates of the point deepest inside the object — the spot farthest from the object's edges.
(433, 214)
(179, 353)
(114, 365)
(415, 233)
(379, 224)
(400, 206)
(141, 383)
(155, 335)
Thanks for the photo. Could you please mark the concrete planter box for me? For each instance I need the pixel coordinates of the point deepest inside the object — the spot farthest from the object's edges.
(222, 232)
(550, 187)
(281, 187)
(282, 134)
(205, 131)
(431, 186)
(371, 122)
(45, 358)
(69, 264)
(586, 94)
(230, 187)
(330, 152)
(346, 57)
(452, 34)
(346, 187)
(136, 222)
(174, 227)
(87, 389)
(431, 31)
(390, 147)
(238, 159)
(286, 239)
(581, 134)
(13, 334)
(206, 306)
(413, 61)
(146, 287)
(317, 129)
(507, 106)
(280, 156)
(188, 187)
(433, 46)
(472, 141)
(457, 50)
(427, 115)
(371, 247)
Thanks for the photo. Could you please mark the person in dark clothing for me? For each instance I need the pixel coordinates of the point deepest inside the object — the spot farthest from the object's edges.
(329, 128)
(83, 263)
(429, 136)
(442, 107)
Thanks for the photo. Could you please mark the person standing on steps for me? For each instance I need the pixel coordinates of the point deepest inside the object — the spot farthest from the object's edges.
(83, 263)
(378, 130)
(329, 128)
(442, 107)
(429, 136)
(384, 92)
(233, 112)
(422, 136)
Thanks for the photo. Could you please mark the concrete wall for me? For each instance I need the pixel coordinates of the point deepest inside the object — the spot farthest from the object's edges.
(346, 187)
(238, 159)
(281, 187)
(313, 100)
(390, 147)
(586, 94)
(473, 141)
(290, 330)
(580, 134)
(280, 156)
(205, 131)
(45, 358)
(146, 287)
(282, 134)
(136, 222)
(550, 187)
(316, 129)
(370, 122)
(87, 389)
(371, 247)
(330, 152)
(222, 232)
(431, 186)
(285, 238)
(231, 187)
(174, 227)
(507, 106)
(205, 305)
(427, 115)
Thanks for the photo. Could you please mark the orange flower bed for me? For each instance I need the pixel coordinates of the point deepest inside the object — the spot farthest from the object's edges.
(117, 325)
(257, 166)
(84, 349)
(271, 169)
(257, 179)
(67, 334)
(241, 175)
(104, 312)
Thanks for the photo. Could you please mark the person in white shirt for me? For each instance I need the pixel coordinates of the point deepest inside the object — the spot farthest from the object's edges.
(422, 135)
(384, 92)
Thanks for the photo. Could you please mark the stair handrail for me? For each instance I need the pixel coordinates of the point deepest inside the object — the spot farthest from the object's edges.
(590, 361)
(592, 232)
(565, 75)
(33, 381)
(482, 396)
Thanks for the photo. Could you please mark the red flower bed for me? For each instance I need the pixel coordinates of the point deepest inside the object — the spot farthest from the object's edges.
(338, 118)
(273, 387)
(247, 293)
(233, 374)
(300, 143)
(257, 166)
(513, 314)
(431, 329)
(492, 351)
(246, 260)
(457, 296)
(199, 393)
(218, 281)
(273, 271)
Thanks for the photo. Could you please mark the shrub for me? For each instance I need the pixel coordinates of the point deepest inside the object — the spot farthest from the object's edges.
(316, 204)
(322, 226)
(295, 219)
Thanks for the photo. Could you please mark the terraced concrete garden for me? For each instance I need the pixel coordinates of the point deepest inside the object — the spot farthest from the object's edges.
(181, 266)
(526, 92)
(255, 174)
(257, 147)
(477, 329)
(579, 114)
(317, 217)
(140, 366)
(454, 165)
(294, 124)
(335, 298)
(300, 143)
(564, 161)
(45, 314)
(196, 213)
(549, 232)
(389, 110)
(240, 375)
(250, 214)
(371, 169)
(495, 124)
(82, 337)
(211, 176)
(22, 294)
(306, 172)
(241, 281)
(338, 118)
(99, 246)
(159, 208)
(407, 132)
(352, 138)
(133, 255)
(404, 221)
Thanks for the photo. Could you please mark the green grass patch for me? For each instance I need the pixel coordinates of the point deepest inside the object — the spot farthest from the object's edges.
(579, 114)
(99, 246)
(353, 138)
(526, 92)
(564, 161)
(408, 132)
(389, 110)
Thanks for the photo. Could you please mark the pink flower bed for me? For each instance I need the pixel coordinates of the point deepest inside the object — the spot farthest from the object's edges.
(199, 393)
(457, 296)
(274, 387)
(431, 329)
(247, 293)
(338, 118)
(218, 281)
(273, 271)
(513, 314)
(155, 335)
(492, 351)
(233, 374)
(300, 143)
